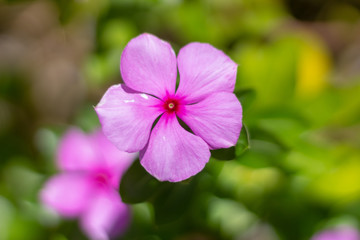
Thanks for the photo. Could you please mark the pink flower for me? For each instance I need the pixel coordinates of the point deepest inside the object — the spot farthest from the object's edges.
(203, 100)
(340, 233)
(87, 187)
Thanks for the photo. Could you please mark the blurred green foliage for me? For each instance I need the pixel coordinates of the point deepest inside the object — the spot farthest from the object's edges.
(296, 167)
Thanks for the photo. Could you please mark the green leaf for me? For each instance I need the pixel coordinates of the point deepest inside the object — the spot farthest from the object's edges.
(246, 97)
(231, 153)
(137, 185)
(243, 143)
(265, 150)
(224, 153)
(173, 201)
(262, 154)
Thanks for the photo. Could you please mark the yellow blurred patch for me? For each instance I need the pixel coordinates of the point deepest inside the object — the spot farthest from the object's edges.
(340, 185)
(252, 182)
(313, 69)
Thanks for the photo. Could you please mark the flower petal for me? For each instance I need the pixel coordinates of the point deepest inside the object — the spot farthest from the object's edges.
(148, 64)
(217, 119)
(341, 233)
(126, 117)
(204, 70)
(76, 152)
(106, 216)
(114, 160)
(68, 194)
(173, 154)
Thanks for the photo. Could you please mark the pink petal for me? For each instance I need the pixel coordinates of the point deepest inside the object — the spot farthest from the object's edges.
(126, 117)
(111, 155)
(217, 119)
(204, 70)
(172, 153)
(115, 161)
(106, 216)
(148, 64)
(341, 233)
(76, 152)
(67, 194)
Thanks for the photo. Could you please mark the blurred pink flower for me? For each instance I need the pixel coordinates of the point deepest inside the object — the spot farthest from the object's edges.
(341, 233)
(204, 100)
(87, 187)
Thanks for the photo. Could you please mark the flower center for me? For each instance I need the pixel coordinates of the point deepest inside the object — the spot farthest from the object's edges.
(102, 179)
(171, 105)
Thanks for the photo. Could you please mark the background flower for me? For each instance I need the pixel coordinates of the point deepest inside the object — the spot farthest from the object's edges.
(87, 186)
(340, 233)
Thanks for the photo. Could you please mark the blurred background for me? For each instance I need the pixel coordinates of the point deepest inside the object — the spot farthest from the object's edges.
(295, 170)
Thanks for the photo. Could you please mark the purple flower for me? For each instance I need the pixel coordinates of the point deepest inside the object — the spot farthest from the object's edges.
(87, 187)
(340, 233)
(204, 100)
